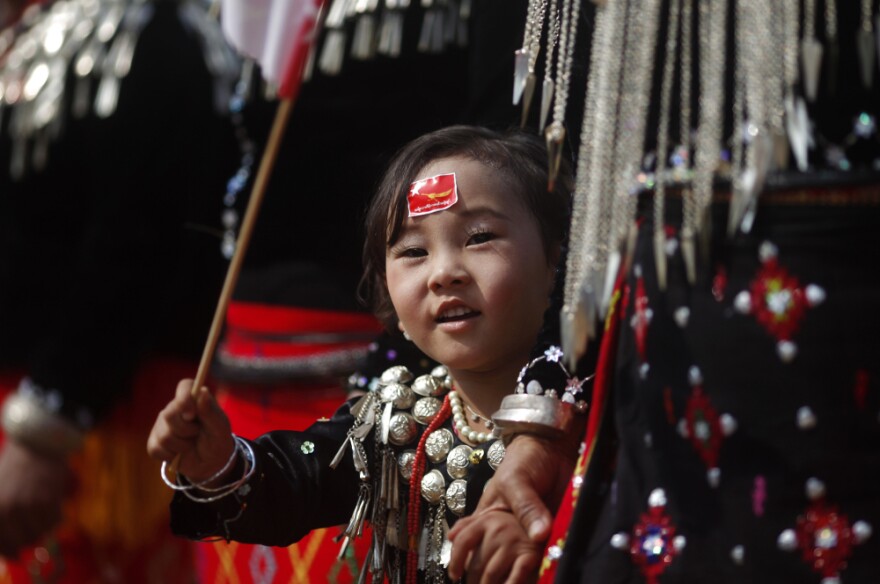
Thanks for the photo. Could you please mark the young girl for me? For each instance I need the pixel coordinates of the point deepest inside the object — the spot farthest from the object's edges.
(461, 247)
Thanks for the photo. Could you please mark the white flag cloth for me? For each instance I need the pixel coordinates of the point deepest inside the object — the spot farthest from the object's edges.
(276, 33)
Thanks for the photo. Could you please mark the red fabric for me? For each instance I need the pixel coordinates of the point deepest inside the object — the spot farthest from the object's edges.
(262, 330)
(254, 410)
(266, 318)
(250, 328)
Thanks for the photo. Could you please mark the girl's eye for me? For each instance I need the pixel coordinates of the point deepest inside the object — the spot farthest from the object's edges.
(412, 252)
(481, 237)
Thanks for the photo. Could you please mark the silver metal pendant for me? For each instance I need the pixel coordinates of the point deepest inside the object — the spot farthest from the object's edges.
(390, 33)
(811, 62)
(614, 261)
(660, 258)
(359, 456)
(363, 44)
(689, 254)
(743, 203)
(547, 91)
(528, 94)
(578, 326)
(555, 136)
(520, 72)
(797, 125)
(332, 53)
(385, 425)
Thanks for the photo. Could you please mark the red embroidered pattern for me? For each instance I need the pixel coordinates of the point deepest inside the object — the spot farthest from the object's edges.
(778, 300)
(826, 538)
(703, 427)
(652, 545)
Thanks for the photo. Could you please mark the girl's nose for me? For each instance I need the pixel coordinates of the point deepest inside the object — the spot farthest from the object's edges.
(447, 272)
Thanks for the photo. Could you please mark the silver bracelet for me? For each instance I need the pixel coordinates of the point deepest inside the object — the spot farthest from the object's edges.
(239, 486)
(534, 414)
(201, 485)
(26, 420)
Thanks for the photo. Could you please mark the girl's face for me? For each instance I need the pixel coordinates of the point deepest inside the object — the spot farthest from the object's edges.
(470, 284)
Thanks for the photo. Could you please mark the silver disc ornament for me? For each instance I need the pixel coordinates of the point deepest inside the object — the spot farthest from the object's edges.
(402, 429)
(458, 461)
(438, 444)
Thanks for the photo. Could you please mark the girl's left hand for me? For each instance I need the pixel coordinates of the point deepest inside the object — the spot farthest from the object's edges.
(501, 550)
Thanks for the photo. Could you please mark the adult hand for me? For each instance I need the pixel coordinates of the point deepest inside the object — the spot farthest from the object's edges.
(530, 482)
(32, 491)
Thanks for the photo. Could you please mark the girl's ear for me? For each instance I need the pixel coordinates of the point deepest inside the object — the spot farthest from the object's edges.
(403, 330)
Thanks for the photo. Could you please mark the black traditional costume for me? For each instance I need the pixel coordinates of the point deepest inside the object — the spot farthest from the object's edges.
(725, 227)
(405, 430)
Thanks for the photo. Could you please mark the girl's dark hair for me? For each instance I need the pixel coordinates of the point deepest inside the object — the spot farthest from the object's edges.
(519, 158)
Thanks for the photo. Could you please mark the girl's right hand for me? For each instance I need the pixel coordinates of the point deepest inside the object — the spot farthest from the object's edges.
(196, 430)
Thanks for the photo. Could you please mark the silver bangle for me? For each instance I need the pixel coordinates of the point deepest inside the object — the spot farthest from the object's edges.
(200, 485)
(239, 486)
(26, 420)
(534, 414)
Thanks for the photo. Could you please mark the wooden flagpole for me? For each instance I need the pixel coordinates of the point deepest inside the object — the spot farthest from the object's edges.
(267, 163)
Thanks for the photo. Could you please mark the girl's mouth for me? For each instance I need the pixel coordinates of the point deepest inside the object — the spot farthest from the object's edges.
(457, 314)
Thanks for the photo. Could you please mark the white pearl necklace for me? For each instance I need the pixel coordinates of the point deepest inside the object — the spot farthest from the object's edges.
(460, 422)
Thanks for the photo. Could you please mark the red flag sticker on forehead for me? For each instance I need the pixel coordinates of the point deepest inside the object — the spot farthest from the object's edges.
(429, 195)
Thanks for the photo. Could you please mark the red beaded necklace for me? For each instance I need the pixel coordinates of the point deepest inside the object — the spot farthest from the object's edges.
(415, 493)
